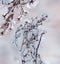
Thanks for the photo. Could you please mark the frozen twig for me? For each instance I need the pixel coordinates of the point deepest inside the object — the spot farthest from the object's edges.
(30, 36)
(9, 16)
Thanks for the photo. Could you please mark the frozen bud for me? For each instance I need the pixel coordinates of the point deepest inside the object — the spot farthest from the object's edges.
(32, 4)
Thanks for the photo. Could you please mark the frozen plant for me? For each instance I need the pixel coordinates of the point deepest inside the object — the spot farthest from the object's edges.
(28, 36)
(15, 12)
(31, 40)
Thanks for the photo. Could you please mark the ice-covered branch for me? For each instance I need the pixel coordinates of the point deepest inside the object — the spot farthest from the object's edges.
(11, 13)
(31, 40)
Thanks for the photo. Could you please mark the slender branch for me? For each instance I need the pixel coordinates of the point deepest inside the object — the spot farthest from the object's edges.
(38, 45)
